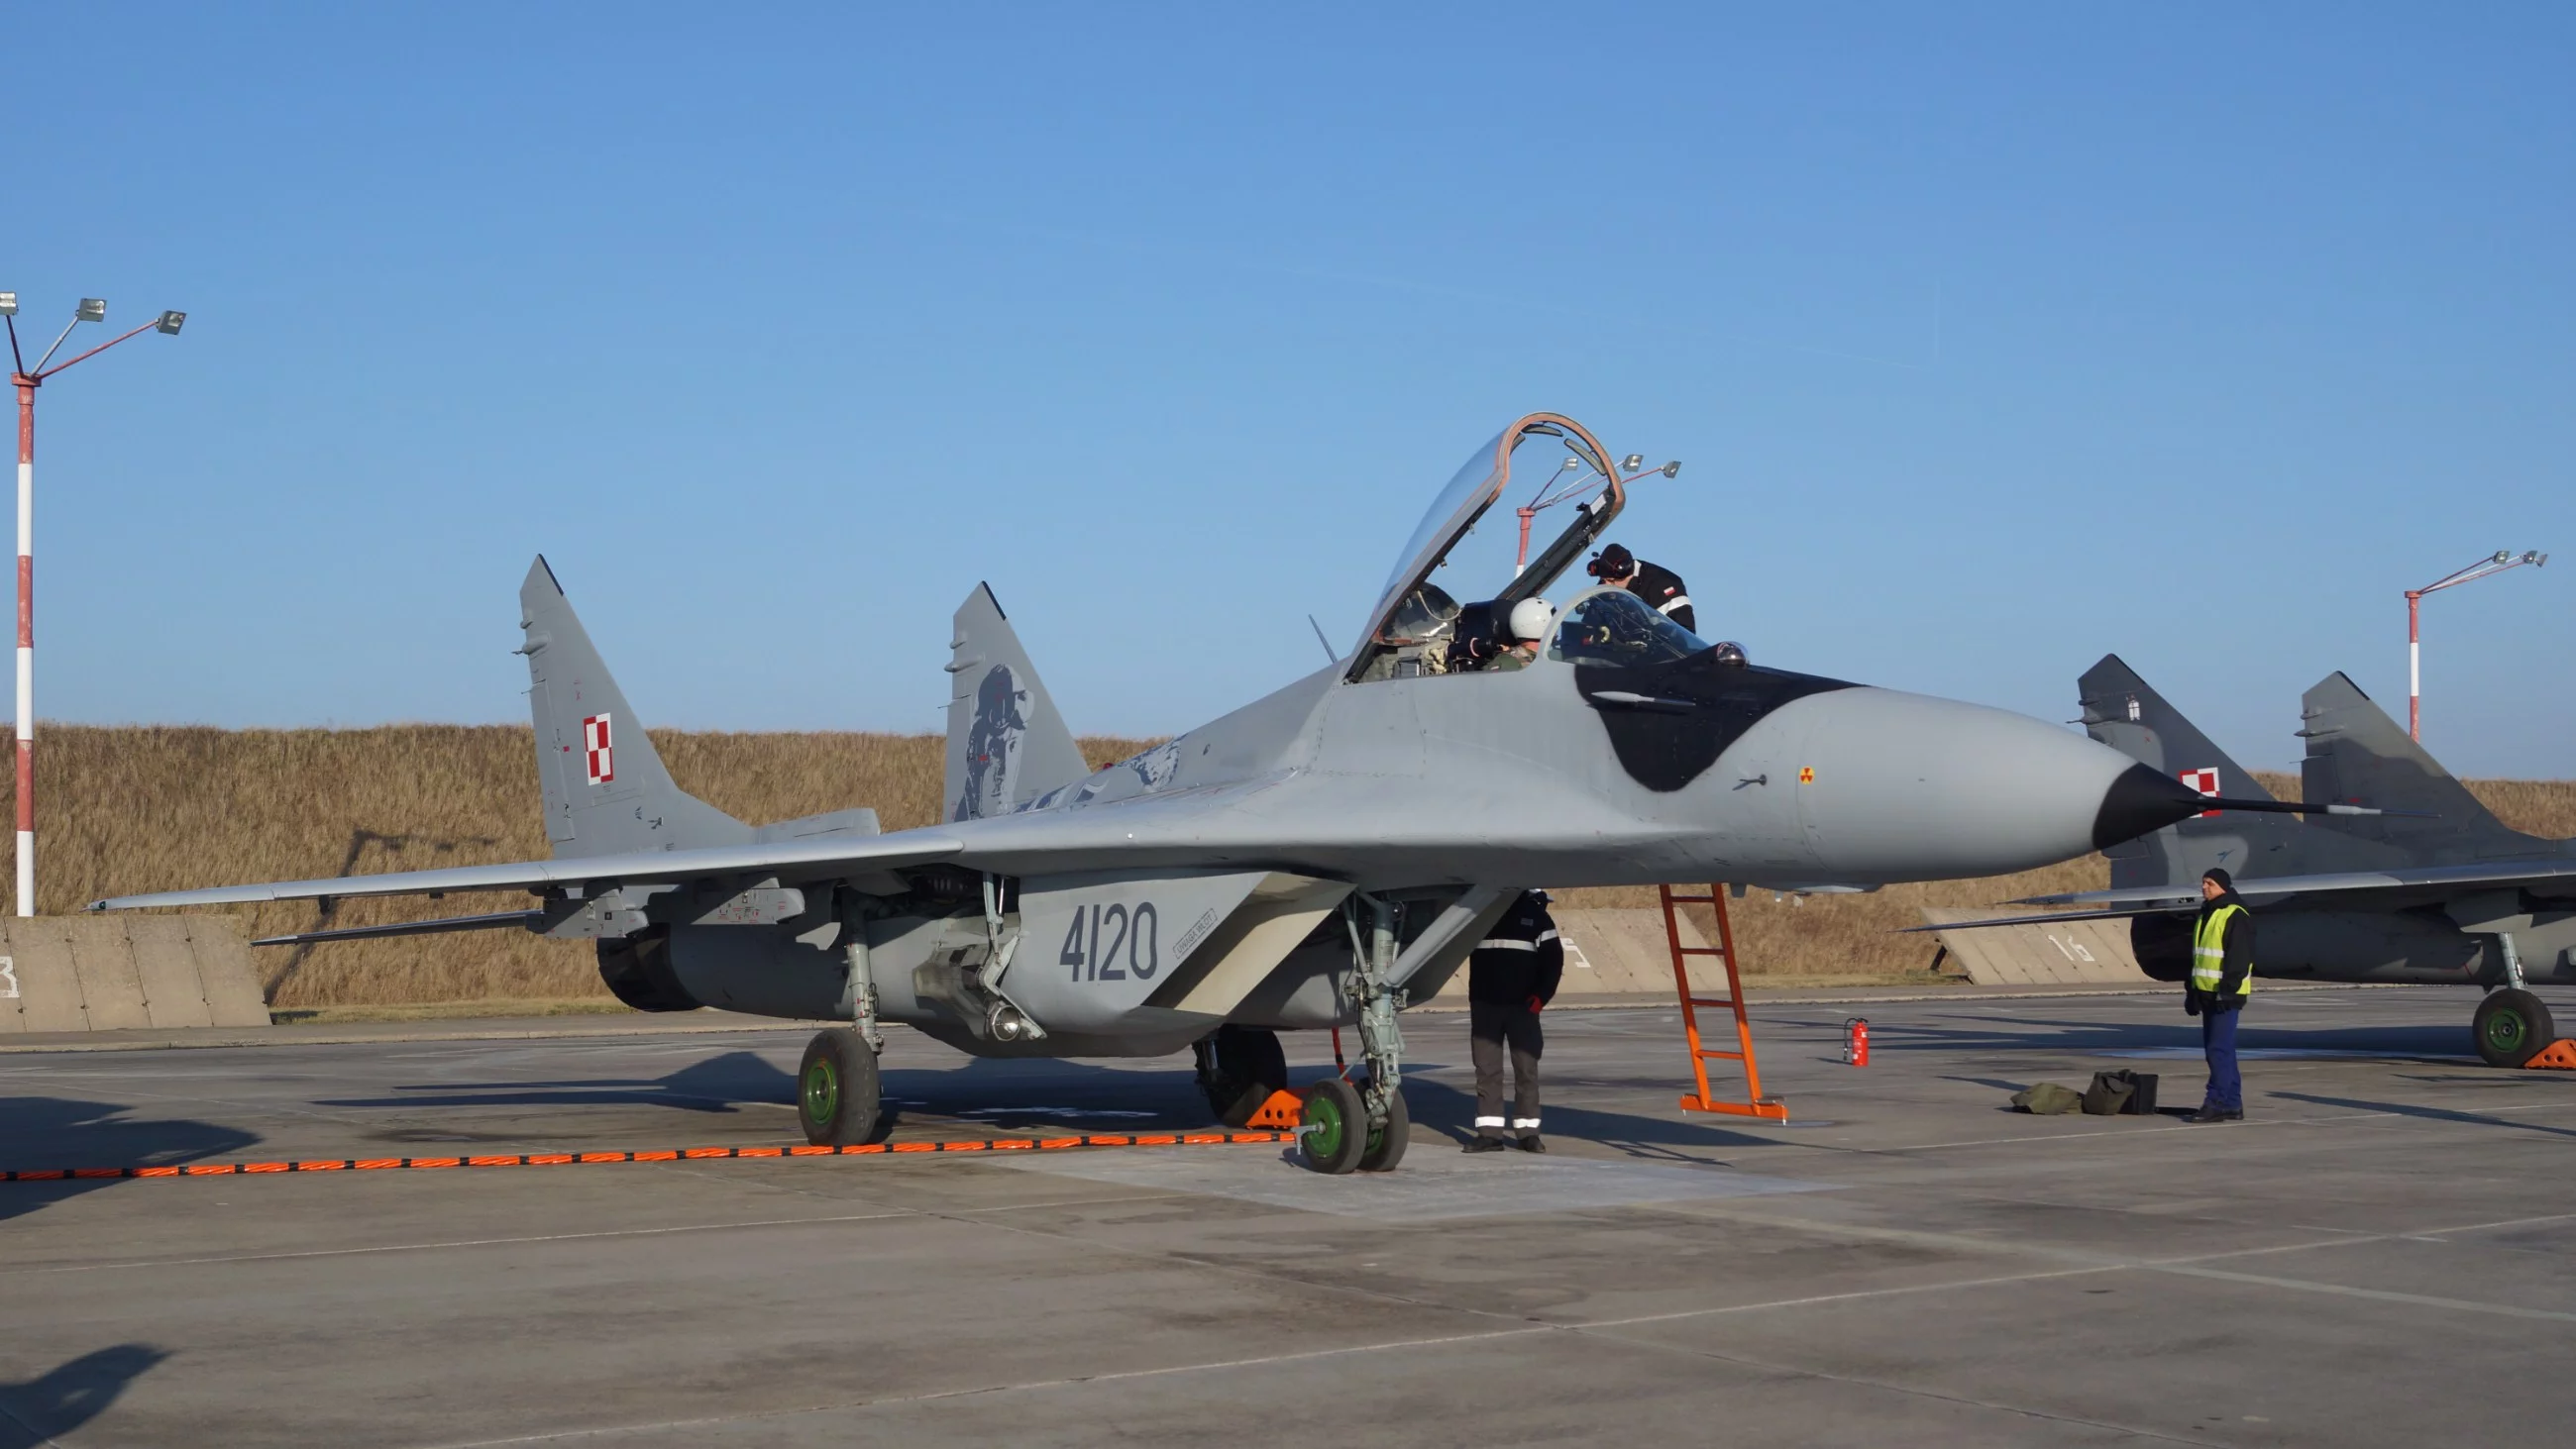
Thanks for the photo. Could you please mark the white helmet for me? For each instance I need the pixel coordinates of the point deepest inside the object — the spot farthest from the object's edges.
(1529, 618)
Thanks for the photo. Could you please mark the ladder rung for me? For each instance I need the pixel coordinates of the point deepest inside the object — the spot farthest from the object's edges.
(1725, 1001)
(1697, 951)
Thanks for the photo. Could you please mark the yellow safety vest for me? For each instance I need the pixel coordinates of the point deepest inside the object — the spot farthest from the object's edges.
(2209, 952)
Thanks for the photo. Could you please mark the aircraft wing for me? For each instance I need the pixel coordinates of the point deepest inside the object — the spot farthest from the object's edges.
(806, 860)
(2354, 887)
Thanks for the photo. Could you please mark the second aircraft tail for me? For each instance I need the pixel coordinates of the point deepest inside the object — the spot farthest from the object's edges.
(2121, 710)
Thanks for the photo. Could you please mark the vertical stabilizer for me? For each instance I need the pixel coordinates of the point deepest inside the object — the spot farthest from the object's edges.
(605, 788)
(1006, 743)
(2122, 711)
(2358, 756)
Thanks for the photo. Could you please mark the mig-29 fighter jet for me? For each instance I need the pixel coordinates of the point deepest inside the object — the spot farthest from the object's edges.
(1316, 858)
(2425, 885)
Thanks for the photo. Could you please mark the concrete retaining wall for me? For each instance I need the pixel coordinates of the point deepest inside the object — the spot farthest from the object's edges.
(2057, 953)
(1618, 951)
(99, 973)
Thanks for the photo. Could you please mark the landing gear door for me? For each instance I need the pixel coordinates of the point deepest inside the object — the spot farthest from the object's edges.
(1094, 946)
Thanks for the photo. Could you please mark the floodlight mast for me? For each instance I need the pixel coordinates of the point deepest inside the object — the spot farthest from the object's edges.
(2488, 567)
(27, 379)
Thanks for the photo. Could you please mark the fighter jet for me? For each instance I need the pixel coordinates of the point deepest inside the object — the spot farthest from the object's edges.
(2411, 879)
(1316, 858)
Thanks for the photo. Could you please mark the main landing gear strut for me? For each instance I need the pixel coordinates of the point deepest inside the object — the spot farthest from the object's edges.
(1363, 1126)
(2512, 1025)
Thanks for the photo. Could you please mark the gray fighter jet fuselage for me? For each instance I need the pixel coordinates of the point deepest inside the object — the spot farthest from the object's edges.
(1315, 858)
(2437, 890)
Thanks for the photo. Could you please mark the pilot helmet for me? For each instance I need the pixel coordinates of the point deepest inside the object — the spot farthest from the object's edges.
(1529, 618)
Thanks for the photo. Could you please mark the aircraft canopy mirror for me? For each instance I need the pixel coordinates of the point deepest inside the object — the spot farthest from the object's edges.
(8, 304)
(1632, 462)
(170, 323)
(1672, 469)
(92, 309)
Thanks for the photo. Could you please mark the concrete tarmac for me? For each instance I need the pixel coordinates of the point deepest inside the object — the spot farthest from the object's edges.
(2382, 1255)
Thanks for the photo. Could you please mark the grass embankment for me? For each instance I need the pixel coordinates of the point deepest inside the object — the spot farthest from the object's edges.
(160, 808)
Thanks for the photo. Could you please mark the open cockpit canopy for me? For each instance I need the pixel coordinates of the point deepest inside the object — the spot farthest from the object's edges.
(1466, 565)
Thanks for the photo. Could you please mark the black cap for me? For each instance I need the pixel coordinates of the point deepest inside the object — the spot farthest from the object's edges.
(2219, 874)
(1611, 563)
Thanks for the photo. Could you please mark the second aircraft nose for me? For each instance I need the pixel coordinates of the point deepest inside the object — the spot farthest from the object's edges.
(1906, 786)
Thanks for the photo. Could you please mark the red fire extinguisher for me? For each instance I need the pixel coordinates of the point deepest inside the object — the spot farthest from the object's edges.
(1856, 1042)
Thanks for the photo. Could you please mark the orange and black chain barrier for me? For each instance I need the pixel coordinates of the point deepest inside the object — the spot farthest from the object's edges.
(676, 1154)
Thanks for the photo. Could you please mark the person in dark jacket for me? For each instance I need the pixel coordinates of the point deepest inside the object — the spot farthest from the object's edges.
(1510, 979)
(2222, 977)
(1660, 587)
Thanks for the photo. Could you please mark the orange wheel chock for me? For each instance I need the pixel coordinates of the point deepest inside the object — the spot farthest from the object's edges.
(2559, 1056)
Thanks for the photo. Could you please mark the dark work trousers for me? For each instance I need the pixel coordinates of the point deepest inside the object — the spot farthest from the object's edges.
(1492, 1026)
(2218, 1043)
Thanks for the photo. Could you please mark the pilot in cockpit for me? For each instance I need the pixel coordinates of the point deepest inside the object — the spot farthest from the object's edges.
(1511, 643)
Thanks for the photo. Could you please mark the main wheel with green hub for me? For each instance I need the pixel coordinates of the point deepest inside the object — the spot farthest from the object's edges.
(1386, 1144)
(2511, 1026)
(1239, 1068)
(1333, 1130)
(837, 1099)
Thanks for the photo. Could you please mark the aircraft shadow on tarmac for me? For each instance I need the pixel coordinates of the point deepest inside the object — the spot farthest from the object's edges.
(716, 1085)
(2430, 1114)
(35, 1411)
(2075, 1036)
(42, 1133)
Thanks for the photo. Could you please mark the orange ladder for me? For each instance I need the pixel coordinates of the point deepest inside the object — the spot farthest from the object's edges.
(1770, 1109)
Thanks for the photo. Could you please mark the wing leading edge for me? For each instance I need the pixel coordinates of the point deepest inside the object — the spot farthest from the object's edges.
(2350, 887)
(882, 852)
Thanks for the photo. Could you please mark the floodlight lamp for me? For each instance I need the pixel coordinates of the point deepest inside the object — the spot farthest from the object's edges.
(92, 309)
(1632, 462)
(170, 323)
(1672, 469)
(8, 304)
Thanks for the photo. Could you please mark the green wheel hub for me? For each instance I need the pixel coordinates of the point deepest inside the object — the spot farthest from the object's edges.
(2506, 1031)
(822, 1091)
(1324, 1134)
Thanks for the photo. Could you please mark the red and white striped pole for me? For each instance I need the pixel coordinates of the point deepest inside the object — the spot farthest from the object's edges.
(26, 379)
(26, 643)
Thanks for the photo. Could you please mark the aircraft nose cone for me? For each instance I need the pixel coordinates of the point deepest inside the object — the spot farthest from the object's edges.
(1909, 787)
(2141, 800)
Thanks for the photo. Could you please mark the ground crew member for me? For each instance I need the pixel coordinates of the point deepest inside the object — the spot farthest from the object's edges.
(2222, 976)
(1510, 979)
(1660, 587)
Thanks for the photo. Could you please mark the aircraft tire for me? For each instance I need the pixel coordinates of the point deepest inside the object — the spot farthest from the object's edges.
(837, 1090)
(1333, 1130)
(1386, 1144)
(1239, 1068)
(2511, 1027)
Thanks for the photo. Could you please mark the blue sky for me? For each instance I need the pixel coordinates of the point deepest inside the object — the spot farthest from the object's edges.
(1991, 338)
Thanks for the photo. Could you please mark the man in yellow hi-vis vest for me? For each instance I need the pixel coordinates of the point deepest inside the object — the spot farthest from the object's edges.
(2222, 976)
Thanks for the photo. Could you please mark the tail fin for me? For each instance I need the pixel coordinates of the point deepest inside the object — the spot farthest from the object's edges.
(1006, 743)
(2122, 711)
(606, 791)
(2358, 756)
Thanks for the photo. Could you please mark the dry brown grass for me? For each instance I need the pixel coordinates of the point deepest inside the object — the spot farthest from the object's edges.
(167, 808)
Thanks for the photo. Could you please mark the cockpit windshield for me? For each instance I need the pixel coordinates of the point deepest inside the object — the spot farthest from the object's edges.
(1617, 628)
(1468, 559)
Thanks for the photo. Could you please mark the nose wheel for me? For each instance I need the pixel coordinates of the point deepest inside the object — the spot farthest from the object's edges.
(838, 1098)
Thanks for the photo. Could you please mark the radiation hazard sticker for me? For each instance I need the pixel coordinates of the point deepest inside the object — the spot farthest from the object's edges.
(596, 748)
(1806, 774)
(2206, 782)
